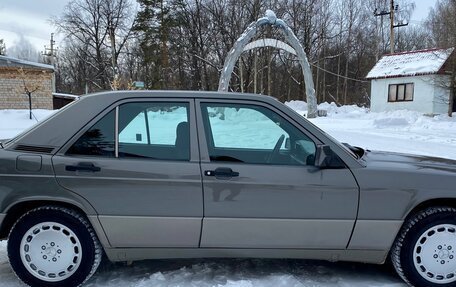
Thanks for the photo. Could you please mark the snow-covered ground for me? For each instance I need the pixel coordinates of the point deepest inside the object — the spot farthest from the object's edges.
(397, 131)
(12, 122)
(401, 131)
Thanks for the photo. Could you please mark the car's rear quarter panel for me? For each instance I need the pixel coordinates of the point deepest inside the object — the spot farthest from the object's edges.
(21, 185)
(18, 186)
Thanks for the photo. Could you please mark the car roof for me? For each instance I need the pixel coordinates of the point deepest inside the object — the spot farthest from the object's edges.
(179, 94)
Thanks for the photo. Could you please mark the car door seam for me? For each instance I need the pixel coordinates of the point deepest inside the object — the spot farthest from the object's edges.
(200, 168)
(357, 208)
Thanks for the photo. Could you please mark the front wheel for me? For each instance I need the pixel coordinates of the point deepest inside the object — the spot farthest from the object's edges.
(53, 246)
(424, 253)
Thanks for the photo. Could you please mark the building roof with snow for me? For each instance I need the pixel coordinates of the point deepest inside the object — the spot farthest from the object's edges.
(11, 62)
(415, 63)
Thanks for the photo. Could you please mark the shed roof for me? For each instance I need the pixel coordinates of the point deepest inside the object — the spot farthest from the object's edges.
(65, 96)
(11, 62)
(415, 63)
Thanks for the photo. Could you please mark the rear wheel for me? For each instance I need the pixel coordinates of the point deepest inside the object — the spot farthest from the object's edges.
(53, 246)
(424, 253)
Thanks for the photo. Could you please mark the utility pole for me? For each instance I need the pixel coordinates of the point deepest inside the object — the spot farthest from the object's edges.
(391, 26)
(392, 10)
(50, 53)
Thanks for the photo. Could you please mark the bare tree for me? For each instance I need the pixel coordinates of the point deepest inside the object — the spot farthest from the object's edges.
(30, 86)
(101, 28)
(182, 44)
(442, 22)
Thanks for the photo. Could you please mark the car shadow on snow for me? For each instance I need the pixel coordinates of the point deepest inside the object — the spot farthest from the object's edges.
(243, 272)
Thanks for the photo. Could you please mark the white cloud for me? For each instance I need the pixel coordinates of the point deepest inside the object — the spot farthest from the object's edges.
(29, 19)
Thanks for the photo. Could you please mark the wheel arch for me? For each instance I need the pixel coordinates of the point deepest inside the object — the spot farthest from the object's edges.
(15, 211)
(434, 202)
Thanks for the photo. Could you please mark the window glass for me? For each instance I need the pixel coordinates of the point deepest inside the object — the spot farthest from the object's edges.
(98, 140)
(400, 92)
(154, 130)
(243, 127)
(135, 131)
(254, 134)
(392, 93)
(409, 92)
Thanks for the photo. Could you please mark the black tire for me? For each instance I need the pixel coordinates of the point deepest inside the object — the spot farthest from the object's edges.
(416, 229)
(90, 256)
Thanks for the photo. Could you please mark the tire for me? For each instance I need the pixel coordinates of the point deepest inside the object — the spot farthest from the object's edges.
(53, 246)
(424, 253)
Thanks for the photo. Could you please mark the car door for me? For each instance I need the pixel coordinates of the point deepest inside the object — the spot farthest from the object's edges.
(261, 189)
(138, 165)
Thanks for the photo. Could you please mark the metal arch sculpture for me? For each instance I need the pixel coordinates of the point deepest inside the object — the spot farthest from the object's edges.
(274, 43)
(271, 19)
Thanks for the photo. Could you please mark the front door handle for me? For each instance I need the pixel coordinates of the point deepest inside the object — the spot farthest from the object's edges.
(221, 172)
(83, 166)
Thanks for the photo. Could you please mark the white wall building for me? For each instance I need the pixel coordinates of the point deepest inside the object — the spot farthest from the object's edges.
(412, 80)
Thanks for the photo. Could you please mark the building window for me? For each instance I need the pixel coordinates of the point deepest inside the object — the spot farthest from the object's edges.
(400, 92)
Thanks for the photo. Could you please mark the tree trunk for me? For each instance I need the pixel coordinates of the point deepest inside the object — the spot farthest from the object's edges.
(452, 104)
(255, 73)
(112, 37)
(269, 55)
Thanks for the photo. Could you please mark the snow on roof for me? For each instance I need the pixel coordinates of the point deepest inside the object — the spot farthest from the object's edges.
(6, 61)
(423, 62)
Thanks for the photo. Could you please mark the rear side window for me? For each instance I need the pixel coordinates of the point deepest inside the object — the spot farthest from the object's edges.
(155, 130)
(98, 140)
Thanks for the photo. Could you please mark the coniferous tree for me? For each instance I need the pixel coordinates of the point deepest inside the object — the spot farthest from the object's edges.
(155, 23)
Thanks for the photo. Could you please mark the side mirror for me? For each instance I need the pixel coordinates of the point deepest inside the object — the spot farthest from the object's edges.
(326, 158)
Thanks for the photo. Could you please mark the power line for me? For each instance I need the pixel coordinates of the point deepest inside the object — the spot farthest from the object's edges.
(326, 71)
(334, 74)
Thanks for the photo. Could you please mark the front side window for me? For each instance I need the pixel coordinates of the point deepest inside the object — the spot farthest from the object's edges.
(254, 134)
(154, 130)
(400, 92)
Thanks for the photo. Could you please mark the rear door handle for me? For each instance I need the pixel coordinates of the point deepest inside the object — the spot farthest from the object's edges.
(83, 166)
(221, 172)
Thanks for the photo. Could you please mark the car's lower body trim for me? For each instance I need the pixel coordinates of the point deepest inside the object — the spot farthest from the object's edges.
(132, 254)
(151, 231)
(276, 233)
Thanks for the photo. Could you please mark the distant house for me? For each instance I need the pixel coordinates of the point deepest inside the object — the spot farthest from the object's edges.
(14, 73)
(412, 80)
